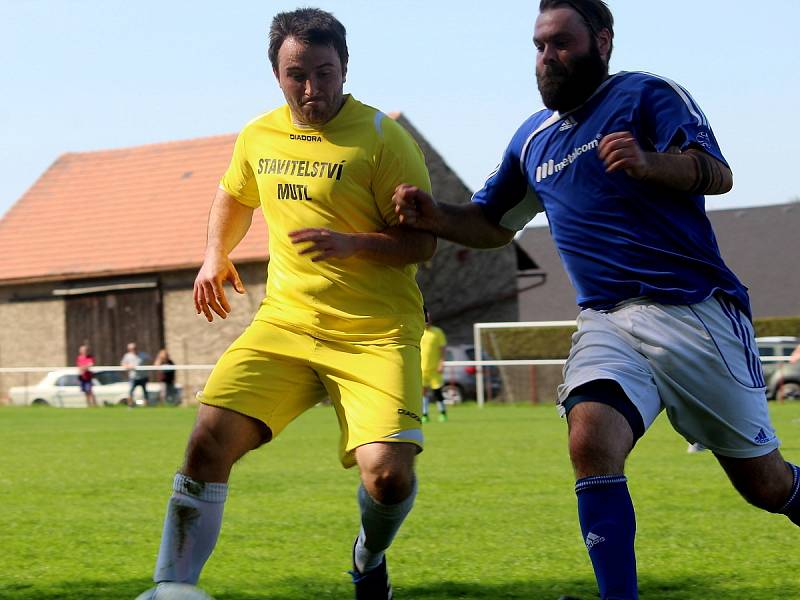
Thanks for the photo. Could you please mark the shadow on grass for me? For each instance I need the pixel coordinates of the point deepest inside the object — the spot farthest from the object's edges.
(301, 589)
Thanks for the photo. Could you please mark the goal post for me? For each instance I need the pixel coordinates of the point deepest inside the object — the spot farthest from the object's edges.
(519, 343)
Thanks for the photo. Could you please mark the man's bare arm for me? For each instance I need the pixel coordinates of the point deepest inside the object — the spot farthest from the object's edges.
(465, 224)
(394, 246)
(228, 223)
(692, 171)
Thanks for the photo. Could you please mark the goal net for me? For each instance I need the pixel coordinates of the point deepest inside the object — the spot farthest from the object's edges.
(520, 361)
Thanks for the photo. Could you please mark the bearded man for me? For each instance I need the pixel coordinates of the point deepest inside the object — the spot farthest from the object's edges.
(621, 164)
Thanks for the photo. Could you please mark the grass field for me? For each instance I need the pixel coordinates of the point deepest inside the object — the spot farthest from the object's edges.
(82, 496)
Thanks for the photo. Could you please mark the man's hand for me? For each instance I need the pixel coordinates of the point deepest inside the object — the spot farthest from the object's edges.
(464, 224)
(324, 244)
(621, 151)
(414, 207)
(209, 293)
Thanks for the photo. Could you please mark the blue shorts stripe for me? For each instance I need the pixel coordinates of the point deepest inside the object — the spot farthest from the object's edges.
(752, 359)
(741, 333)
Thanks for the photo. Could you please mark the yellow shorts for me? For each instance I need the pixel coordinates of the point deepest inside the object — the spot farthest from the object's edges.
(433, 380)
(274, 374)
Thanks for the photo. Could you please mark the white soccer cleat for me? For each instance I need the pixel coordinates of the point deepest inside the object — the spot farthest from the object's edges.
(168, 590)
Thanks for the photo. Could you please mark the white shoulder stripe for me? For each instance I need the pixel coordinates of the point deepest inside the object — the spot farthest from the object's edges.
(691, 105)
(555, 117)
(378, 123)
(545, 124)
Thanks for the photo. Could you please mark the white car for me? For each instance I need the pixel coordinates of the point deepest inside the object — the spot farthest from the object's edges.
(61, 388)
(782, 376)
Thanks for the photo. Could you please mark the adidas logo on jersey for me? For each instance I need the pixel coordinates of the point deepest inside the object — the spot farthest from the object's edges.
(568, 123)
(762, 437)
(592, 540)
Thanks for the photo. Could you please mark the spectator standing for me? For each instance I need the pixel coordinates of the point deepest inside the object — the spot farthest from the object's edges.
(795, 355)
(85, 362)
(166, 377)
(131, 360)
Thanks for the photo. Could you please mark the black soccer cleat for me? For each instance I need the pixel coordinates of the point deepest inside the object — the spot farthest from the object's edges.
(372, 585)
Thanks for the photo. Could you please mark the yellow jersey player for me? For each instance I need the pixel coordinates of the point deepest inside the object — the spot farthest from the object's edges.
(432, 347)
(342, 317)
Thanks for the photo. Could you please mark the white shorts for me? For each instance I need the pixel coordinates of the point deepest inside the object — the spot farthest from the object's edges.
(698, 361)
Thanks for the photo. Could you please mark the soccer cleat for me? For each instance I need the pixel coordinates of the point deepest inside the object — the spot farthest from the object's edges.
(442, 417)
(372, 585)
(696, 447)
(425, 418)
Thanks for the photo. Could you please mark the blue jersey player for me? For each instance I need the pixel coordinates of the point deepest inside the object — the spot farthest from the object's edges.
(620, 164)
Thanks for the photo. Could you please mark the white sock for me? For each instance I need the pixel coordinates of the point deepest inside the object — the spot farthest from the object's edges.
(379, 524)
(191, 527)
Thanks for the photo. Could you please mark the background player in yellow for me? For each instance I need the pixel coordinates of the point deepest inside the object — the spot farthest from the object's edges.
(432, 348)
(342, 316)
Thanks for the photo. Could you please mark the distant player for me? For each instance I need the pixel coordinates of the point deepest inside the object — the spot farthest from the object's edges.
(342, 317)
(621, 164)
(432, 348)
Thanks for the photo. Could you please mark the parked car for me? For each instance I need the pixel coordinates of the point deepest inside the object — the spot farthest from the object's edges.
(460, 383)
(61, 388)
(782, 377)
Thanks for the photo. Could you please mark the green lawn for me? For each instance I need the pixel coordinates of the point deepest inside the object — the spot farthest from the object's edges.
(82, 495)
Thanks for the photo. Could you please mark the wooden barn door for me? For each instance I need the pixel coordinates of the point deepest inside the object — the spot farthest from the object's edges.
(108, 321)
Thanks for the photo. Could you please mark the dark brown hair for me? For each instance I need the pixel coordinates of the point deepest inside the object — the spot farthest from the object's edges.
(310, 26)
(595, 14)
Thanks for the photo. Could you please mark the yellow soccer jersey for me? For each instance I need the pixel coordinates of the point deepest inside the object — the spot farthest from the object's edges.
(432, 347)
(340, 176)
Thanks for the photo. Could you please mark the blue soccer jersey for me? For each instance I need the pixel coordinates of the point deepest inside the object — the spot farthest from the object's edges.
(618, 238)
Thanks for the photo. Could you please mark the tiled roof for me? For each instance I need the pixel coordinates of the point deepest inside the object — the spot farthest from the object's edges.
(124, 211)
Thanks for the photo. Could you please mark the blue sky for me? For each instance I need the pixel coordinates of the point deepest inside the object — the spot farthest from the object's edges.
(90, 75)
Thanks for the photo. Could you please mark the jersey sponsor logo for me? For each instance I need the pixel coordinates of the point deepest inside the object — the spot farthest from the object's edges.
(293, 191)
(593, 539)
(408, 413)
(301, 168)
(304, 138)
(568, 123)
(552, 167)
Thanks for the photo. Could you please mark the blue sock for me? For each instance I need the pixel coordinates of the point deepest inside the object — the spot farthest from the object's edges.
(608, 525)
(792, 507)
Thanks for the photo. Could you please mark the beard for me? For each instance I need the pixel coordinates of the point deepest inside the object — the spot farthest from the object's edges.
(322, 110)
(564, 87)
